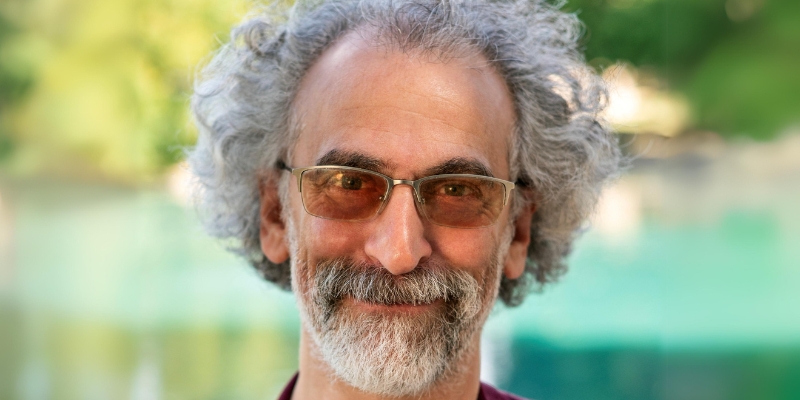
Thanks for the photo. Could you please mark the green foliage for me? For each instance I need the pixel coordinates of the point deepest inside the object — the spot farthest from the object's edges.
(107, 84)
(749, 84)
(656, 32)
(736, 60)
(15, 82)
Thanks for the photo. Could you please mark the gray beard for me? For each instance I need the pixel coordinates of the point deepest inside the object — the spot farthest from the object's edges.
(395, 354)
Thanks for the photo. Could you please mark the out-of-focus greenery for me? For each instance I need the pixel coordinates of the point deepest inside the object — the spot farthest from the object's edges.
(92, 87)
(736, 60)
(102, 87)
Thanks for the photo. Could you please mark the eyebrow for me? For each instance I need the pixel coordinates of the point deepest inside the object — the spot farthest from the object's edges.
(455, 165)
(459, 165)
(351, 159)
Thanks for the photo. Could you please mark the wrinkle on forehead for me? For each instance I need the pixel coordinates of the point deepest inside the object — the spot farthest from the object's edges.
(442, 119)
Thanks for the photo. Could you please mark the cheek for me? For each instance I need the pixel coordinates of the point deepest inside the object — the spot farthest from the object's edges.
(319, 238)
(466, 248)
(323, 239)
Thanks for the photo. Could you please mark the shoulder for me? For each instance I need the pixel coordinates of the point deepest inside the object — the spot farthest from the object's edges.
(488, 392)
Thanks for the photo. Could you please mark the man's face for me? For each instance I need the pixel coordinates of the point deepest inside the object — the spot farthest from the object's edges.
(406, 116)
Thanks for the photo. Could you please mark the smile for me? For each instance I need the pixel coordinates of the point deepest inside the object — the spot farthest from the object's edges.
(404, 308)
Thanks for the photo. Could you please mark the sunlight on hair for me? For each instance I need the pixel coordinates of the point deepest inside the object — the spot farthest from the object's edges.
(640, 103)
(179, 184)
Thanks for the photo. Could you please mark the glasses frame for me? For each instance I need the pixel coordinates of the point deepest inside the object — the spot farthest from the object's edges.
(391, 183)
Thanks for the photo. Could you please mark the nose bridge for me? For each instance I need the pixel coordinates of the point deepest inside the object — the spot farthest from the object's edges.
(396, 182)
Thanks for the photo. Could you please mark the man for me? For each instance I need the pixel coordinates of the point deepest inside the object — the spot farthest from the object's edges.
(399, 165)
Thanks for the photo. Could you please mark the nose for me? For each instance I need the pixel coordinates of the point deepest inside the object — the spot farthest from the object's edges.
(397, 239)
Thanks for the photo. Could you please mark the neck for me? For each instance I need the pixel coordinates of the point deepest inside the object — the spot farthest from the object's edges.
(316, 379)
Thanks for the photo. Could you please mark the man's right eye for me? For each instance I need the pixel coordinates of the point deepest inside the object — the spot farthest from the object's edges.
(349, 182)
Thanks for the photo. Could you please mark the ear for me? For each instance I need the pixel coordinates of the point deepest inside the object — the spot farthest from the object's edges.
(518, 250)
(273, 231)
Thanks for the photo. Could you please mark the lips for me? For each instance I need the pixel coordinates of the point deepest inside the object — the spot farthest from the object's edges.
(391, 306)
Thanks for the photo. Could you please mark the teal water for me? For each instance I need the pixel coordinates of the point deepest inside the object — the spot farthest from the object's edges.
(110, 293)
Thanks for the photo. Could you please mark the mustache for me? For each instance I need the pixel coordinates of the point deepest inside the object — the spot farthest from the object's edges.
(338, 278)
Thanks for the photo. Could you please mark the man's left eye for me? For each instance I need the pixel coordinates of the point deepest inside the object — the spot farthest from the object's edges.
(455, 190)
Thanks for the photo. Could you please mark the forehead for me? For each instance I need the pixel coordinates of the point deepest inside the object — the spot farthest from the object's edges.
(410, 111)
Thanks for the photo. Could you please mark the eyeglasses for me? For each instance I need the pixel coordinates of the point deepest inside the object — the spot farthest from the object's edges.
(355, 194)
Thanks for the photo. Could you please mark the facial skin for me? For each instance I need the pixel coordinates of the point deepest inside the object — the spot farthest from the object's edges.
(406, 116)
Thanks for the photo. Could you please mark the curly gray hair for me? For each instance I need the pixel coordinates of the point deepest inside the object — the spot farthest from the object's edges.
(242, 108)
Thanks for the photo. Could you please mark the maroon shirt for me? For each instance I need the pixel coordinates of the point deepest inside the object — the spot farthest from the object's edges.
(486, 392)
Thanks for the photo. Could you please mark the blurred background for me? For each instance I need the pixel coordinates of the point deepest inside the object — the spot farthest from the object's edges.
(686, 285)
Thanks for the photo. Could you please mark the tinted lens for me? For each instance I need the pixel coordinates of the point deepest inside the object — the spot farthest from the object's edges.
(340, 193)
(462, 202)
